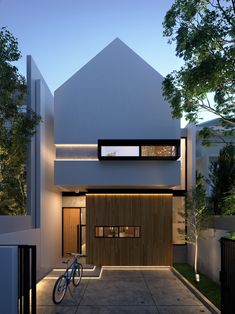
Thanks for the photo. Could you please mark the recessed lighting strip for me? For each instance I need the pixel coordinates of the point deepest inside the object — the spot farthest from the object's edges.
(76, 145)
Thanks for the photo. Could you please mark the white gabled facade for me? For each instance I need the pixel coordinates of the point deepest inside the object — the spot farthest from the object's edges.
(116, 95)
(116, 98)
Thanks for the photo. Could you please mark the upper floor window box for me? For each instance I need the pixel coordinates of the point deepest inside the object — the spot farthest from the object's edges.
(138, 149)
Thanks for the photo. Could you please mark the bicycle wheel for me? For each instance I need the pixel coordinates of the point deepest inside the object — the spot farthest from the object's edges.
(59, 290)
(77, 274)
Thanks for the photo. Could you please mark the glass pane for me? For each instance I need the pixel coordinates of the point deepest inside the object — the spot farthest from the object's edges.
(108, 232)
(119, 151)
(99, 231)
(83, 216)
(126, 232)
(115, 232)
(137, 232)
(158, 151)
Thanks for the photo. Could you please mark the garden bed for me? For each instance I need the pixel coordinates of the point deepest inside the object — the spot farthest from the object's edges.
(206, 286)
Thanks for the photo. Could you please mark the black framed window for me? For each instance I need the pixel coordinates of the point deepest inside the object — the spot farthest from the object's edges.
(117, 231)
(138, 149)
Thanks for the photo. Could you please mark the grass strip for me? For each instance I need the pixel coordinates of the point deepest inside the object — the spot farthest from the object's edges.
(206, 286)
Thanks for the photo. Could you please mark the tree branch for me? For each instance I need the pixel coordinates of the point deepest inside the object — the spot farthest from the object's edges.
(210, 109)
(225, 14)
(233, 3)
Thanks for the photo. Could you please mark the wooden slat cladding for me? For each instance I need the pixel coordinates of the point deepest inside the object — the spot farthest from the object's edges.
(152, 212)
(71, 222)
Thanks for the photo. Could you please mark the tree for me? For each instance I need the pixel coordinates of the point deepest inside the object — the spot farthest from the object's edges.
(196, 216)
(222, 179)
(204, 32)
(229, 202)
(17, 125)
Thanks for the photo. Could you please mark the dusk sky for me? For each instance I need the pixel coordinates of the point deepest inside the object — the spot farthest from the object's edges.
(62, 35)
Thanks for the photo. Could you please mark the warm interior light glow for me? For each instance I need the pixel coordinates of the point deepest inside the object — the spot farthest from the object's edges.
(77, 145)
(128, 194)
(163, 268)
(77, 159)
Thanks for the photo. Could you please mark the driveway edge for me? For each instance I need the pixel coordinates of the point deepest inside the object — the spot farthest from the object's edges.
(210, 306)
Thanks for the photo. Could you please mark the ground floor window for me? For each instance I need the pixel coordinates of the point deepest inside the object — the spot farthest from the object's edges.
(117, 231)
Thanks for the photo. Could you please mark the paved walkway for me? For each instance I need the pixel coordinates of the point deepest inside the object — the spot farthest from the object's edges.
(123, 291)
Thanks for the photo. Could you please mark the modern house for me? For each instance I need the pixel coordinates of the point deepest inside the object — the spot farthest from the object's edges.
(121, 161)
(109, 167)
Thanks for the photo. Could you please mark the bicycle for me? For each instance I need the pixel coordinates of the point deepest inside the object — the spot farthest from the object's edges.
(73, 272)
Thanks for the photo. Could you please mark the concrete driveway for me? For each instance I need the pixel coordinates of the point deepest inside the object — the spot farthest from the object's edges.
(123, 291)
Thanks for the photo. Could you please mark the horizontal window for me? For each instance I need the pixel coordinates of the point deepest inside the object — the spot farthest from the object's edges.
(117, 232)
(138, 149)
(113, 151)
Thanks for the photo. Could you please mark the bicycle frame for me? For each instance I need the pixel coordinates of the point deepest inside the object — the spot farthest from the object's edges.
(70, 270)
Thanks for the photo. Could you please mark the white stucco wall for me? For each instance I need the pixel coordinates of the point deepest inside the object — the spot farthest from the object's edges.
(48, 203)
(43, 226)
(209, 256)
(29, 237)
(117, 174)
(116, 95)
(191, 155)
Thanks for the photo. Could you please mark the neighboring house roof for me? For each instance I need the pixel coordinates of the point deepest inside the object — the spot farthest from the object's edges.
(213, 122)
(217, 125)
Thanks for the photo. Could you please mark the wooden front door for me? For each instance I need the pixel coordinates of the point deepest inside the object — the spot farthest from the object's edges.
(71, 230)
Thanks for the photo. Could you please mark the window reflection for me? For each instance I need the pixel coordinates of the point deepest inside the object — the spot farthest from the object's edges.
(117, 232)
(123, 151)
(99, 231)
(125, 232)
(159, 151)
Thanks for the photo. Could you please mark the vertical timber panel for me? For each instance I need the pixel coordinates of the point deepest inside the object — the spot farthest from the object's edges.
(152, 212)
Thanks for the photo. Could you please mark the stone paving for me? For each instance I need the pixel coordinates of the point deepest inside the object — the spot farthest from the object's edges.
(123, 291)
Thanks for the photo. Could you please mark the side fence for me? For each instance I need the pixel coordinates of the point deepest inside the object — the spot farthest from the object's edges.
(18, 277)
(227, 276)
(27, 279)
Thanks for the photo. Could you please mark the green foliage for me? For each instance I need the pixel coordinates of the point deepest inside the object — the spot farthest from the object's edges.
(17, 125)
(196, 213)
(219, 133)
(206, 286)
(231, 235)
(222, 181)
(204, 33)
(229, 202)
